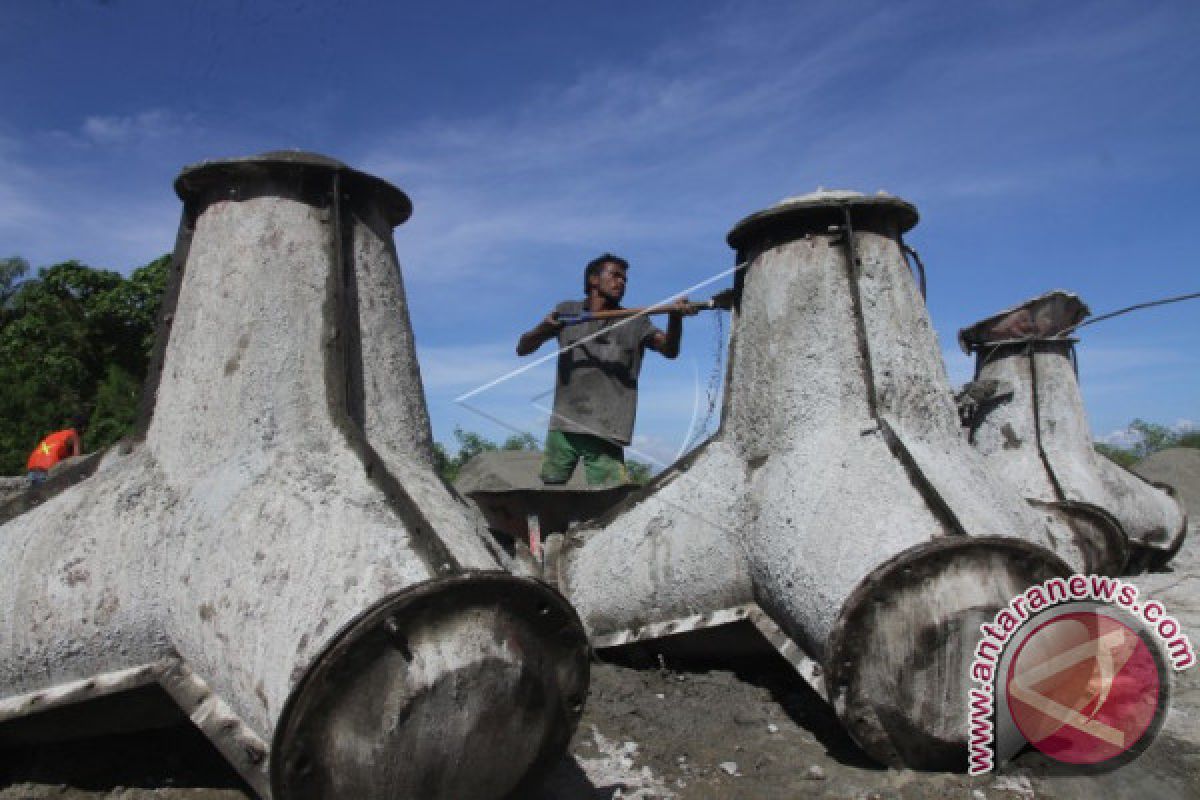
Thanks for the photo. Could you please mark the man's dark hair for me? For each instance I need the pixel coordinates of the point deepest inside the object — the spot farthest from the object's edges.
(596, 265)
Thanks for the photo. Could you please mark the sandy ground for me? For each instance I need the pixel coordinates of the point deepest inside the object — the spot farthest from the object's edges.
(690, 734)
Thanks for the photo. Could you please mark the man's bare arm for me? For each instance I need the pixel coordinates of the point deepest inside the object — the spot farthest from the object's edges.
(534, 338)
(668, 343)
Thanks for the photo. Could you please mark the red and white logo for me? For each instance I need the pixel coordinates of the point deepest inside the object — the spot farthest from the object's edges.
(1077, 668)
(1085, 688)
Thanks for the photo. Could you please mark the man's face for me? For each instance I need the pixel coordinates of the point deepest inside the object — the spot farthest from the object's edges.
(610, 283)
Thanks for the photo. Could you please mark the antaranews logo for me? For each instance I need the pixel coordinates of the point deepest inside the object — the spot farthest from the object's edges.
(1077, 668)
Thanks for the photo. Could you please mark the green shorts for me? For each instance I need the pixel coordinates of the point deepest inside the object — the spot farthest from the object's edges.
(603, 461)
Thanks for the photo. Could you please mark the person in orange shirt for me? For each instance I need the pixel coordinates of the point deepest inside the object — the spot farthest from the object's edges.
(53, 449)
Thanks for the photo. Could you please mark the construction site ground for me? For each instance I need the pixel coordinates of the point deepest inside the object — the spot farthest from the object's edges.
(673, 730)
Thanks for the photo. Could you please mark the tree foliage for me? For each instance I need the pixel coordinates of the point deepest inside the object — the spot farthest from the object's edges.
(72, 340)
(639, 473)
(1118, 455)
(1149, 438)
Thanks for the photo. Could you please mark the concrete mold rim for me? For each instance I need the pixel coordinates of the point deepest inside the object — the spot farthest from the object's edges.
(1158, 559)
(885, 735)
(1107, 557)
(815, 213)
(199, 181)
(306, 738)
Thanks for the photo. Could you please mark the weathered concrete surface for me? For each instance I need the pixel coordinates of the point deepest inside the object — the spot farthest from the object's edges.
(11, 488)
(1035, 433)
(666, 553)
(664, 732)
(654, 732)
(838, 494)
(280, 524)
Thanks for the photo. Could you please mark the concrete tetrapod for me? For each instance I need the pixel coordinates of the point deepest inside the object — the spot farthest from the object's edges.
(838, 508)
(277, 552)
(1034, 428)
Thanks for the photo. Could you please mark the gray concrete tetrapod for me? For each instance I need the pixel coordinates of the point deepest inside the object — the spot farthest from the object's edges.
(839, 509)
(277, 552)
(1034, 429)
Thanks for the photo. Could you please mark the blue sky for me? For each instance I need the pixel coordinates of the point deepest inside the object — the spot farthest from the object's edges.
(1047, 145)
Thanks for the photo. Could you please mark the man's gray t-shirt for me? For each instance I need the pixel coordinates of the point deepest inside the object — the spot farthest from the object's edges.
(596, 388)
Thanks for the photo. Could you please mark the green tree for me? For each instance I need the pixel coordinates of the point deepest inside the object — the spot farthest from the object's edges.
(1151, 438)
(639, 473)
(65, 336)
(116, 407)
(520, 441)
(1126, 458)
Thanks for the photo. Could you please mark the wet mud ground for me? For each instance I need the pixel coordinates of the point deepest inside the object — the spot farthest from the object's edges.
(740, 732)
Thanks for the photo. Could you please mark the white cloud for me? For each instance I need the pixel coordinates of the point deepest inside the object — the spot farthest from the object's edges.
(674, 147)
(620, 154)
(20, 211)
(661, 153)
(120, 129)
(1124, 438)
(57, 205)
(96, 224)
(1128, 438)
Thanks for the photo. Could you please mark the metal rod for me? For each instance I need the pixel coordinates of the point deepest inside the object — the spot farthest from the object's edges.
(722, 301)
(1127, 309)
(920, 267)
